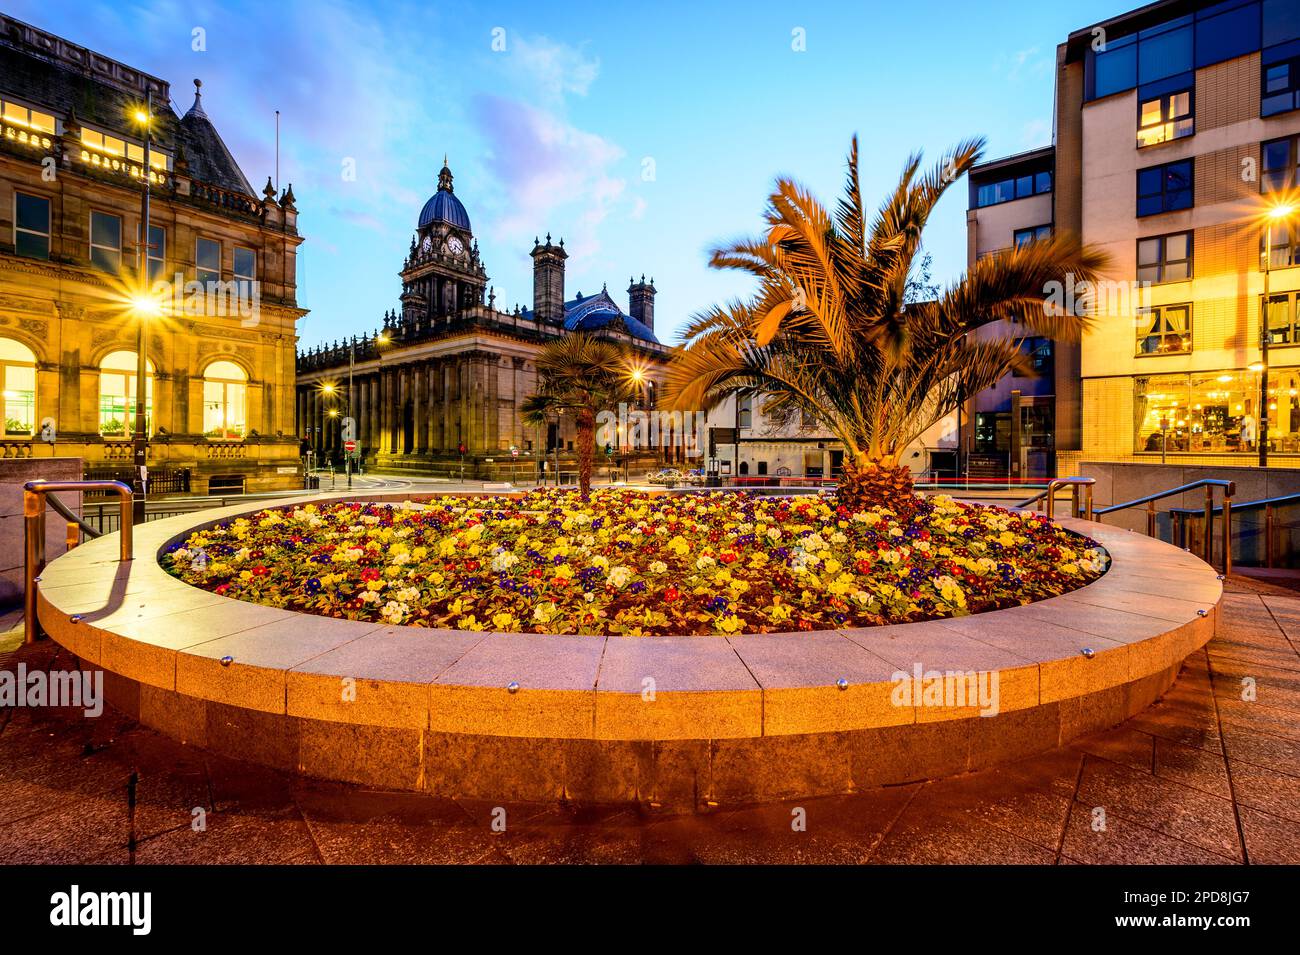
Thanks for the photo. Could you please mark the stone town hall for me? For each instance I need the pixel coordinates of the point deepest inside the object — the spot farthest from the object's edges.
(450, 368)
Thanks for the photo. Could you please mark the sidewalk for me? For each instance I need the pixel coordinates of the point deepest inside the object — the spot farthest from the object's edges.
(1201, 777)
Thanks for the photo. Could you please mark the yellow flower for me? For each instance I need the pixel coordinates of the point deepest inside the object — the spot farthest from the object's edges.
(505, 621)
(730, 623)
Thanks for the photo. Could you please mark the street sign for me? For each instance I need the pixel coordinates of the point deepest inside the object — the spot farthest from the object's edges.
(349, 446)
(349, 430)
(514, 452)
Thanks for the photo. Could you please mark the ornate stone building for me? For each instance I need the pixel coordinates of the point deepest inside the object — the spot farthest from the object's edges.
(449, 369)
(221, 352)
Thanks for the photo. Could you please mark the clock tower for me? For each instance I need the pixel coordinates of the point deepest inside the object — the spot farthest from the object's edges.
(443, 275)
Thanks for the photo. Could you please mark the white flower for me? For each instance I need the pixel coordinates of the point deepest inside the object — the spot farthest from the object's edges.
(504, 560)
(658, 567)
(619, 576)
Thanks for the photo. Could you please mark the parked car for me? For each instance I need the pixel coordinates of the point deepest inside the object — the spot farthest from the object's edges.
(668, 477)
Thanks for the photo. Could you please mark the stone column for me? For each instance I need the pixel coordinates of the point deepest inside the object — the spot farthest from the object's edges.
(420, 399)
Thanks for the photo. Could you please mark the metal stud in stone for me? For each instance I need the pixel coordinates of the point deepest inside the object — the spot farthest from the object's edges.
(36, 580)
(226, 661)
(1202, 613)
(842, 683)
(1220, 576)
(75, 618)
(1088, 652)
(512, 687)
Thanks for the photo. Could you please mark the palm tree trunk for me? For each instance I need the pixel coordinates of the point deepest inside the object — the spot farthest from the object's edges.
(868, 482)
(586, 449)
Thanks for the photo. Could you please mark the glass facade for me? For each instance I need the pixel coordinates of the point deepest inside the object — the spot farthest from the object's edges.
(1216, 412)
(1213, 34)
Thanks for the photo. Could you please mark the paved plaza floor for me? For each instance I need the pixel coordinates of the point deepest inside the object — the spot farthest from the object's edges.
(1204, 776)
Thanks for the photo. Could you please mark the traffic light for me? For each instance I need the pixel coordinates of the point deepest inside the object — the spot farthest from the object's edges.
(609, 450)
(461, 448)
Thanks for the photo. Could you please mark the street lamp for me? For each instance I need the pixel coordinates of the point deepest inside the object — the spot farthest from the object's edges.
(140, 438)
(1275, 214)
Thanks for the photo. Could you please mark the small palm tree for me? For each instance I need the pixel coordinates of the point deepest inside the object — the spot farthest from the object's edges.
(580, 375)
(834, 330)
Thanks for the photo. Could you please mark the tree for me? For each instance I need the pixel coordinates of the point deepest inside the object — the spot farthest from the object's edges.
(582, 376)
(835, 329)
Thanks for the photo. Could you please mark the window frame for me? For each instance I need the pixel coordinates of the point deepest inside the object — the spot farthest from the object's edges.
(225, 403)
(1292, 144)
(128, 416)
(199, 270)
(1033, 232)
(1292, 63)
(234, 264)
(1163, 261)
(1167, 120)
(1012, 183)
(6, 390)
(1163, 170)
(48, 235)
(1166, 333)
(90, 239)
(1292, 332)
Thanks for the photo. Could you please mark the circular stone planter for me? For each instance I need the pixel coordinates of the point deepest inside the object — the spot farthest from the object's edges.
(676, 722)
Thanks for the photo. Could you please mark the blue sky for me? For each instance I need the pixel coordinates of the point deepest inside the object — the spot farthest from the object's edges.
(642, 133)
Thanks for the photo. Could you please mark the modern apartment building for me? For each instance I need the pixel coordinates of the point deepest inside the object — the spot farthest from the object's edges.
(1015, 429)
(1176, 148)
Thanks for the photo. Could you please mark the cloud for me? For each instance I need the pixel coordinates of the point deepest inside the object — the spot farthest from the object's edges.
(553, 70)
(1027, 64)
(543, 163)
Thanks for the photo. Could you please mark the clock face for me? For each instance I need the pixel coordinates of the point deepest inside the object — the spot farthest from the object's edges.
(455, 246)
(427, 244)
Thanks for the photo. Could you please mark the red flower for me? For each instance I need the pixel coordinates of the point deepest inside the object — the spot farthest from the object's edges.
(259, 571)
(671, 594)
(370, 573)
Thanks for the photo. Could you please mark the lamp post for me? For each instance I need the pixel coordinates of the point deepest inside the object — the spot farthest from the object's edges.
(1278, 213)
(140, 438)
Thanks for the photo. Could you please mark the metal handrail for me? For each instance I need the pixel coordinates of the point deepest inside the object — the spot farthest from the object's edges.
(1047, 499)
(34, 501)
(1228, 486)
(66, 513)
(1208, 511)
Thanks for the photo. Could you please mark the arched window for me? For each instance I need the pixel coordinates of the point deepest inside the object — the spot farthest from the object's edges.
(225, 405)
(18, 384)
(117, 383)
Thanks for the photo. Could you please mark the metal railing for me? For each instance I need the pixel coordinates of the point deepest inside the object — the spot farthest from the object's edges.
(1046, 500)
(1229, 488)
(1231, 510)
(35, 497)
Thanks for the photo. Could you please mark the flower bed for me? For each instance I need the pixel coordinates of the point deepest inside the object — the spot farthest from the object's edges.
(627, 562)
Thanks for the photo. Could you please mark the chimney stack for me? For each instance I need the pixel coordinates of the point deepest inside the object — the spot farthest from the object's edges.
(641, 301)
(548, 281)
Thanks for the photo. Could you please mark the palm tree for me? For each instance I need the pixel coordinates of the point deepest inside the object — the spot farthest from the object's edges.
(834, 331)
(581, 375)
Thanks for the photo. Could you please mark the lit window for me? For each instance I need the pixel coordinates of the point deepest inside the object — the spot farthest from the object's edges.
(1282, 316)
(1165, 118)
(32, 119)
(1165, 258)
(207, 260)
(1279, 247)
(745, 412)
(18, 385)
(225, 389)
(108, 145)
(117, 390)
(106, 242)
(1164, 188)
(1164, 330)
(31, 226)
